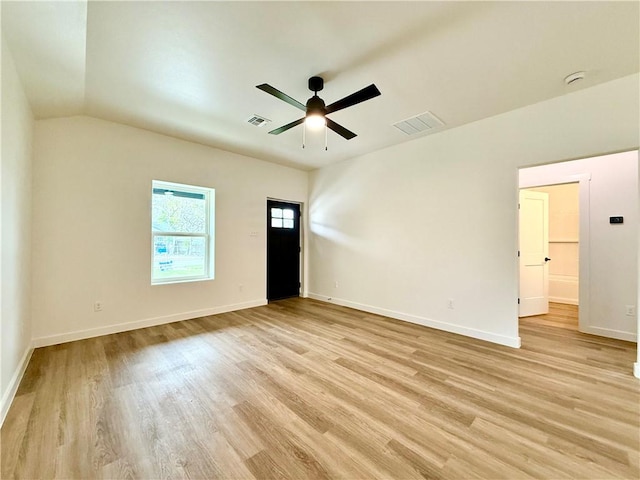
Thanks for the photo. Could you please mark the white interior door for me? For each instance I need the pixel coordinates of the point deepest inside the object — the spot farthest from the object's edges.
(534, 253)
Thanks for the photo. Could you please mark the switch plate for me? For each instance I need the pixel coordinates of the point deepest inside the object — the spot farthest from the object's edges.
(616, 220)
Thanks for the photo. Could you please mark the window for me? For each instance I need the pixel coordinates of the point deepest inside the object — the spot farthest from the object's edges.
(282, 218)
(182, 232)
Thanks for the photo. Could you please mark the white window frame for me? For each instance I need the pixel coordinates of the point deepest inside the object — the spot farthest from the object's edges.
(209, 235)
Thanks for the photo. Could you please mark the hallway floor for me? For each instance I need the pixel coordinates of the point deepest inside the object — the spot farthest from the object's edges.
(560, 315)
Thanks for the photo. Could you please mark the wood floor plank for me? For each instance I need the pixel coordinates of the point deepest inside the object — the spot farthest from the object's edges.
(14, 430)
(301, 389)
(294, 458)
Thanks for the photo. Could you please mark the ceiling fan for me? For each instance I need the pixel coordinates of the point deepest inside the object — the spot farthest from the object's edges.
(315, 110)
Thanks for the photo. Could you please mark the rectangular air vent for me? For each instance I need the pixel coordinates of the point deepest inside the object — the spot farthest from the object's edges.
(420, 123)
(258, 121)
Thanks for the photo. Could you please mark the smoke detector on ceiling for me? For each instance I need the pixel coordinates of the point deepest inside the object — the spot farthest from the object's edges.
(574, 77)
(257, 120)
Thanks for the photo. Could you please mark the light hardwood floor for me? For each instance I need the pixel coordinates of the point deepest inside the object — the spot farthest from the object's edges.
(560, 315)
(302, 389)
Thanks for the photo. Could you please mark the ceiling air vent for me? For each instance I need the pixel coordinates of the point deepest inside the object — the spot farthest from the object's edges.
(420, 123)
(258, 121)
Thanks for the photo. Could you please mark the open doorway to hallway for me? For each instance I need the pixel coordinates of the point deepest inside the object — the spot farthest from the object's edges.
(607, 241)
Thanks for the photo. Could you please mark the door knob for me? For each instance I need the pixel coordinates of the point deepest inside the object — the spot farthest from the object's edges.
(546, 259)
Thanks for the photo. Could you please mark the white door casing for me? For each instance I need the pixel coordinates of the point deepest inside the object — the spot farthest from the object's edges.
(534, 253)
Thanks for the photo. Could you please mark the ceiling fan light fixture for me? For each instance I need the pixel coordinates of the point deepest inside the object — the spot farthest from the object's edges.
(315, 120)
(315, 117)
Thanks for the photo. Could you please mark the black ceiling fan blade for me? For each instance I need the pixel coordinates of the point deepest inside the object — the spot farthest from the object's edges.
(265, 87)
(286, 127)
(339, 129)
(367, 93)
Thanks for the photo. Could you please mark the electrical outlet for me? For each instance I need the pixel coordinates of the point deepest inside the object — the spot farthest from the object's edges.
(240, 287)
(450, 304)
(335, 284)
(630, 310)
(97, 307)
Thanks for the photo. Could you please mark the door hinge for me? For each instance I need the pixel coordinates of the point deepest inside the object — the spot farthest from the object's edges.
(299, 249)
(518, 252)
(518, 301)
(299, 284)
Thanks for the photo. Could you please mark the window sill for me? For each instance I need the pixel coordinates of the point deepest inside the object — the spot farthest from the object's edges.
(181, 280)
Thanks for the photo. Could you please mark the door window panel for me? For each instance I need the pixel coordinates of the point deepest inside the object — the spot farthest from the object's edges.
(282, 218)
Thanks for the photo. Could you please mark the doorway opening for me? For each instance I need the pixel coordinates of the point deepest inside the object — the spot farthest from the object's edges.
(550, 255)
(569, 299)
(283, 249)
(607, 238)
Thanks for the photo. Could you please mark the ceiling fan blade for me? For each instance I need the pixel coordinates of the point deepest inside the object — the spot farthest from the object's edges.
(265, 87)
(363, 95)
(339, 129)
(286, 127)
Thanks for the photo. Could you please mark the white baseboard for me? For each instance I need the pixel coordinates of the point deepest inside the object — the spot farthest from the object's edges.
(610, 333)
(426, 322)
(148, 322)
(636, 369)
(12, 388)
(566, 301)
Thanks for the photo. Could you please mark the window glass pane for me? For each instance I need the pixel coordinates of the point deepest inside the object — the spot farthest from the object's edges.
(182, 228)
(276, 212)
(176, 257)
(287, 213)
(276, 222)
(178, 211)
(288, 223)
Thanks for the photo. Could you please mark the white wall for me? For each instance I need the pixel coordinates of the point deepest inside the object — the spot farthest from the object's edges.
(15, 236)
(91, 227)
(612, 249)
(407, 228)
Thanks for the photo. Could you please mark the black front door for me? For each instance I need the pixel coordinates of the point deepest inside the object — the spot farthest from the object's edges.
(283, 250)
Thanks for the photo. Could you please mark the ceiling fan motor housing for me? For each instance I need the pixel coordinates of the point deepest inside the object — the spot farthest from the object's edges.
(315, 106)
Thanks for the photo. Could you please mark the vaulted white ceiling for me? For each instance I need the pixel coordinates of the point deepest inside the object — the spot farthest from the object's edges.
(189, 69)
